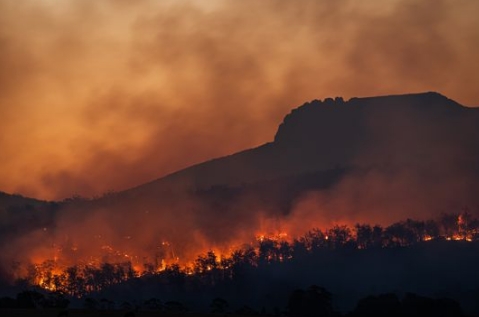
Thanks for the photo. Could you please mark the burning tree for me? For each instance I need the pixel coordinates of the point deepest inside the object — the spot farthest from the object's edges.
(212, 267)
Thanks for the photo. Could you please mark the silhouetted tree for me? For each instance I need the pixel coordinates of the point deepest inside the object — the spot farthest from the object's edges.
(340, 237)
(299, 249)
(242, 261)
(30, 299)
(205, 263)
(267, 251)
(246, 311)
(399, 234)
(219, 306)
(378, 306)
(226, 265)
(417, 230)
(125, 305)
(91, 303)
(153, 304)
(284, 251)
(420, 306)
(315, 240)
(174, 306)
(448, 224)
(175, 275)
(56, 300)
(316, 301)
(74, 281)
(106, 304)
(431, 229)
(467, 225)
(377, 237)
(364, 236)
(106, 275)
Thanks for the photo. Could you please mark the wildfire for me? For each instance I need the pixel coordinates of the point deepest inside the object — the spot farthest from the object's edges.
(279, 236)
(110, 264)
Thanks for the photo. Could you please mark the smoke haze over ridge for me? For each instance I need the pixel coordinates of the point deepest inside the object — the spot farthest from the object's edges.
(105, 96)
(376, 160)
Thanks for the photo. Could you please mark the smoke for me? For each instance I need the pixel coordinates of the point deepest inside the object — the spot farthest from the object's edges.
(413, 162)
(380, 198)
(105, 96)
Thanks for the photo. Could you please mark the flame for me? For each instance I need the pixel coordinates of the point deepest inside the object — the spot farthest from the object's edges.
(65, 263)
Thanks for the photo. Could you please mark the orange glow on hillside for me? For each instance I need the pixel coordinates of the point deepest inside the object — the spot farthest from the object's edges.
(65, 268)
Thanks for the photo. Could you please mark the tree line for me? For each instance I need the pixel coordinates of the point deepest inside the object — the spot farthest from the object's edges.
(209, 269)
(311, 302)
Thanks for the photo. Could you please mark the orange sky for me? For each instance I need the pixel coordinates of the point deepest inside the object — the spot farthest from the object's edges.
(105, 95)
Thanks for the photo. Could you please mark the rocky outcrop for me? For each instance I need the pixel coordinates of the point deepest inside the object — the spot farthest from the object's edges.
(414, 130)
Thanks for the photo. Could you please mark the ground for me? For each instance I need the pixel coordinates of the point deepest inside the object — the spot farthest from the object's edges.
(91, 313)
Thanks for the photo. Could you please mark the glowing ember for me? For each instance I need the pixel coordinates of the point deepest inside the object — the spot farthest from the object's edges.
(66, 271)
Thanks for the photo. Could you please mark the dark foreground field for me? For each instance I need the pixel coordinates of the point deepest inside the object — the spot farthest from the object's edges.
(97, 313)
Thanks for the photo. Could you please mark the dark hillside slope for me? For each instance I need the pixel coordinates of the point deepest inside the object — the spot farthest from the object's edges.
(367, 160)
(422, 144)
(378, 159)
(424, 130)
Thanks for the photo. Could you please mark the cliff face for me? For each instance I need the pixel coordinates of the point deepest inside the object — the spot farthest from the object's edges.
(328, 119)
(377, 160)
(416, 129)
(427, 136)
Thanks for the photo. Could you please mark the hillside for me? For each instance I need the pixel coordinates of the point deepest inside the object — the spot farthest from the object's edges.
(407, 154)
(378, 159)
(424, 130)
(365, 160)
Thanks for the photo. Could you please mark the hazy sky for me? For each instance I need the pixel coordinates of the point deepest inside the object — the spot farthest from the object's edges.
(105, 95)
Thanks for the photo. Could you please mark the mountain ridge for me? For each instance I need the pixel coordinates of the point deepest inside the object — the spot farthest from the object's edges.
(370, 160)
(341, 128)
(263, 162)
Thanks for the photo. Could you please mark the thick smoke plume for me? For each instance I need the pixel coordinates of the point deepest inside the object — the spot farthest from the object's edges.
(417, 160)
(101, 96)
(104, 96)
